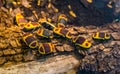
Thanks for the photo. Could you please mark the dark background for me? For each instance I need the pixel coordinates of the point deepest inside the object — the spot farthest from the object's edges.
(95, 13)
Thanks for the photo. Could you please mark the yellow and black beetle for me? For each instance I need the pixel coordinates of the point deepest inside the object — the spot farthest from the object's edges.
(30, 40)
(82, 42)
(20, 20)
(46, 24)
(44, 33)
(31, 26)
(101, 36)
(62, 20)
(62, 32)
(46, 48)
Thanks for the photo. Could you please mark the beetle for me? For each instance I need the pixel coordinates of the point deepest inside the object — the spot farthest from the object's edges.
(44, 33)
(62, 32)
(20, 20)
(31, 25)
(46, 48)
(101, 36)
(62, 20)
(46, 24)
(82, 42)
(30, 40)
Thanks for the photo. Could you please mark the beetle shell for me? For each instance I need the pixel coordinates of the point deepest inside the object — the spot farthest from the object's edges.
(62, 20)
(101, 36)
(20, 20)
(82, 42)
(46, 48)
(31, 25)
(62, 32)
(48, 25)
(30, 40)
(44, 33)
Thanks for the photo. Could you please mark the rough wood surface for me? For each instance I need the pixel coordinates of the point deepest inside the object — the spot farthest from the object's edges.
(53, 65)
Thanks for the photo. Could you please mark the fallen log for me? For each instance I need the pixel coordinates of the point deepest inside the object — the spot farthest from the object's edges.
(52, 65)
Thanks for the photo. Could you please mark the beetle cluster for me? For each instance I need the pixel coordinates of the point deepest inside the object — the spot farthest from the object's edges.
(39, 28)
